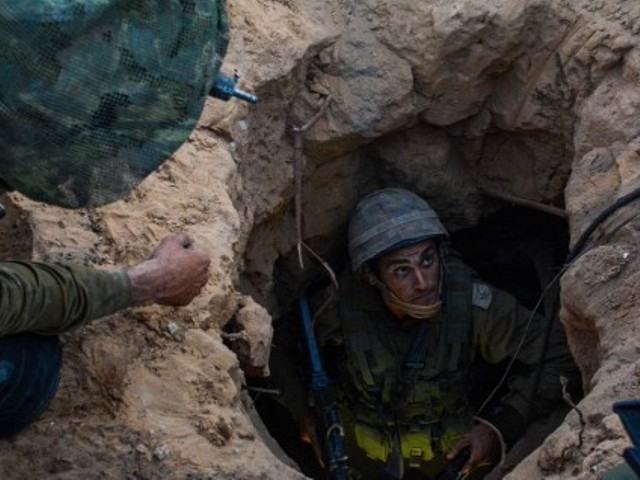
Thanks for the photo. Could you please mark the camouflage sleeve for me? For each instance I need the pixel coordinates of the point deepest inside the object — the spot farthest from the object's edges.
(50, 299)
(502, 324)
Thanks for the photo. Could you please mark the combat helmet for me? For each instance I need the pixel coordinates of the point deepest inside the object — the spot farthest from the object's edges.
(387, 220)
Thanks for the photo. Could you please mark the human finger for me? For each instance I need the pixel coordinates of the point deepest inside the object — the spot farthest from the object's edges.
(483, 445)
(183, 239)
(461, 445)
(172, 245)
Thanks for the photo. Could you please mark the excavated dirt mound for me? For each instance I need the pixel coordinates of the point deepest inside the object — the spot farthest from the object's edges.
(463, 102)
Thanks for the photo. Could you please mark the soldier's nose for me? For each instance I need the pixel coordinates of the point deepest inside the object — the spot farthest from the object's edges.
(421, 281)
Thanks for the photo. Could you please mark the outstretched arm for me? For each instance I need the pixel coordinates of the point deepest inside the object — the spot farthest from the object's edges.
(49, 299)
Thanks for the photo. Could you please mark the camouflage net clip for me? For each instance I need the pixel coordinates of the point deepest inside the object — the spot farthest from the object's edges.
(225, 87)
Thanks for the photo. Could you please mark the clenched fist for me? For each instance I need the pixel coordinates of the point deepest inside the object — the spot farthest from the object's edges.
(173, 275)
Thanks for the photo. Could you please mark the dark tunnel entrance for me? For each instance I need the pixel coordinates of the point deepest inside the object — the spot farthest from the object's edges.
(517, 249)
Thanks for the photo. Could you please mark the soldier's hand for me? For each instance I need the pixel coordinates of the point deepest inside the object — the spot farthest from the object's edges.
(173, 275)
(484, 446)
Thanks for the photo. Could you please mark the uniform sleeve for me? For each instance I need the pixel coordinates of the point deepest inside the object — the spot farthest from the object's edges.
(502, 325)
(50, 299)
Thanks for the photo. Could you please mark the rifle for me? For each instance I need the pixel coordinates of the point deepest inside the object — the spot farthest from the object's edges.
(326, 409)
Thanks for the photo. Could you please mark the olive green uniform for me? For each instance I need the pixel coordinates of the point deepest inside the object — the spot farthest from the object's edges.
(50, 299)
(368, 347)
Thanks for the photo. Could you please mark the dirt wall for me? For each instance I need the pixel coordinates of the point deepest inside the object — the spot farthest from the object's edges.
(537, 99)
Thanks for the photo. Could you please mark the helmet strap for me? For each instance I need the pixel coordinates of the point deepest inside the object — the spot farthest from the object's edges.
(401, 308)
(420, 312)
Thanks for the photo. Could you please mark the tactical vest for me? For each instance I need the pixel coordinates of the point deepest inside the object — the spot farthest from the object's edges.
(436, 411)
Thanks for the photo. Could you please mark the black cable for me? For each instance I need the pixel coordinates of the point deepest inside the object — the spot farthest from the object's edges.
(621, 202)
(573, 254)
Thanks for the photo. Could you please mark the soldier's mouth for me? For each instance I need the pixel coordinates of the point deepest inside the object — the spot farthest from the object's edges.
(425, 299)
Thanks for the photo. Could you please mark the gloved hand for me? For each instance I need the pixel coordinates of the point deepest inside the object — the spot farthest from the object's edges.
(173, 275)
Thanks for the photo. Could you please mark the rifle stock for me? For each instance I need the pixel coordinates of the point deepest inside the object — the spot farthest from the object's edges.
(326, 410)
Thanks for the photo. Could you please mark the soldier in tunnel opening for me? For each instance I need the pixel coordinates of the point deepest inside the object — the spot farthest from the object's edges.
(407, 341)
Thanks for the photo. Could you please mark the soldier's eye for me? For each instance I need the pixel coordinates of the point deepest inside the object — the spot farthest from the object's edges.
(400, 272)
(427, 260)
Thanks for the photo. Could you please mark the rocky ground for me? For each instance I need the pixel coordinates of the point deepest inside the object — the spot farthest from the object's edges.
(460, 101)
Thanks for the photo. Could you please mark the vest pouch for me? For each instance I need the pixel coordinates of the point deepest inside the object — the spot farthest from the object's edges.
(448, 441)
(416, 446)
(454, 427)
(375, 443)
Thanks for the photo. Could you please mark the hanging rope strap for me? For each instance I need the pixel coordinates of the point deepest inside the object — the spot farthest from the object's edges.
(298, 169)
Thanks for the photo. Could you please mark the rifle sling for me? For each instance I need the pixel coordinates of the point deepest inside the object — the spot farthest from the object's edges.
(411, 366)
(400, 392)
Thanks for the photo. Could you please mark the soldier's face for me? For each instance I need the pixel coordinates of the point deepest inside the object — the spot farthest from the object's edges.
(413, 273)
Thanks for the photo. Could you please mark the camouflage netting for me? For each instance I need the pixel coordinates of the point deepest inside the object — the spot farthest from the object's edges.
(95, 94)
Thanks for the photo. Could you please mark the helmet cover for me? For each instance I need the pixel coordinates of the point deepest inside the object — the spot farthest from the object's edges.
(387, 220)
